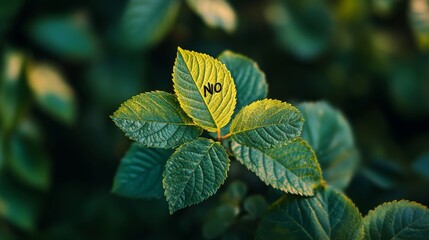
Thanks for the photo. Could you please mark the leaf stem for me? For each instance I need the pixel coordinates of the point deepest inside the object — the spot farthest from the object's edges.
(226, 136)
(219, 138)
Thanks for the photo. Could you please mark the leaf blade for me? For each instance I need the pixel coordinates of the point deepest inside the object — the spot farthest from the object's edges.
(145, 22)
(397, 220)
(292, 168)
(155, 119)
(331, 137)
(210, 111)
(327, 215)
(194, 172)
(266, 124)
(139, 174)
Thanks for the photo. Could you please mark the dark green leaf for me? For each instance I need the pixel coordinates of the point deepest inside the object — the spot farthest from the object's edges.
(327, 215)
(194, 172)
(140, 172)
(292, 168)
(330, 136)
(145, 22)
(66, 37)
(397, 220)
(219, 220)
(235, 192)
(155, 119)
(255, 205)
(421, 166)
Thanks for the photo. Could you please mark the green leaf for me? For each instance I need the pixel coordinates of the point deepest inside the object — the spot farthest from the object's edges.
(418, 15)
(217, 14)
(28, 159)
(219, 220)
(18, 204)
(330, 136)
(248, 78)
(303, 28)
(327, 215)
(193, 74)
(12, 94)
(146, 22)
(397, 220)
(235, 192)
(255, 205)
(155, 119)
(52, 92)
(66, 37)
(194, 172)
(421, 166)
(266, 124)
(292, 168)
(140, 172)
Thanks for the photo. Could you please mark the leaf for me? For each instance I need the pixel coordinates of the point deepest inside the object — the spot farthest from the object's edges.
(219, 220)
(193, 74)
(266, 123)
(28, 159)
(52, 92)
(64, 36)
(12, 94)
(303, 28)
(329, 134)
(194, 172)
(255, 205)
(292, 168)
(248, 78)
(140, 172)
(327, 215)
(215, 13)
(155, 119)
(421, 166)
(146, 22)
(397, 220)
(235, 192)
(18, 204)
(418, 18)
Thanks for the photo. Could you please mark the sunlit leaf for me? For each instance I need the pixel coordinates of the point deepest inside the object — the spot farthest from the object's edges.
(205, 89)
(215, 13)
(397, 220)
(64, 36)
(155, 119)
(194, 172)
(419, 21)
(330, 136)
(140, 172)
(145, 22)
(52, 92)
(292, 168)
(327, 215)
(266, 123)
(12, 92)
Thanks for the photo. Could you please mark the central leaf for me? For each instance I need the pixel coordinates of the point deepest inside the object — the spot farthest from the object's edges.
(194, 172)
(205, 89)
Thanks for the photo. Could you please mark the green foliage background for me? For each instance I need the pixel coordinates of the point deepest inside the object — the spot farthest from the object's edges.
(59, 149)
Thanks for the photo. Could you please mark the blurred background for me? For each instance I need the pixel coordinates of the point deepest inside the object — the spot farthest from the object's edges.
(67, 65)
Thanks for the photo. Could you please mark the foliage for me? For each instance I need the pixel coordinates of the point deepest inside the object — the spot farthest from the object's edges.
(266, 139)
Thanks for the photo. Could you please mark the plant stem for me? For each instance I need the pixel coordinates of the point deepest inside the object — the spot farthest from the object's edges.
(219, 138)
(226, 136)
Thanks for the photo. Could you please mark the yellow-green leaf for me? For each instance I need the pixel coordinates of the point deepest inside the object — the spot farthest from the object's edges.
(205, 89)
(215, 13)
(266, 124)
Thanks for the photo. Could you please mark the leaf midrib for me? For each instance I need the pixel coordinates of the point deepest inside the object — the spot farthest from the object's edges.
(199, 91)
(148, 121)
